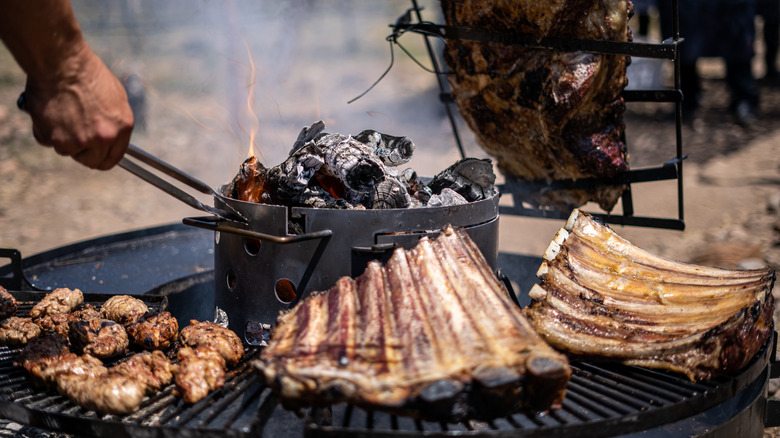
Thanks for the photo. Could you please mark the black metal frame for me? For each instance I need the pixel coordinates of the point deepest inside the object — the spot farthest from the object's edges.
(668, 49)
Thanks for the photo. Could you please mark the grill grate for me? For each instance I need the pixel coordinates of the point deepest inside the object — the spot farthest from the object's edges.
(601, 400)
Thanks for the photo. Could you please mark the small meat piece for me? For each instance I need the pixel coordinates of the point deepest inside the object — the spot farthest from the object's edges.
(152, 368)
(213, 335)
(200, 371)
(124, 309)
(99, 337)
(155, 331)
(7, 304)
(109, 393)
(47, 358)
(60, 322)
(60, 300)
(18, 331)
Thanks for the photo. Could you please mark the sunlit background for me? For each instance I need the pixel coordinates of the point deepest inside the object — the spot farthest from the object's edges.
(216, 77)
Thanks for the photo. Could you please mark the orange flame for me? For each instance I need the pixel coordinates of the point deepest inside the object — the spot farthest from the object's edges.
(250, 103)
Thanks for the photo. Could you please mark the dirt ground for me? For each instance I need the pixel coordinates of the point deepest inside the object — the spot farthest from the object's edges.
(201, 91)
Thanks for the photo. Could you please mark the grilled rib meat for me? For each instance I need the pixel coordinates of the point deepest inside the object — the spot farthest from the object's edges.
(7, 304)
(124, 309)
(18, 330)
(209, 334)
(99, 337)
(154, 331)
(200, 371)
(544, 114)
(60, 300)
(433, 333)
(602, 297)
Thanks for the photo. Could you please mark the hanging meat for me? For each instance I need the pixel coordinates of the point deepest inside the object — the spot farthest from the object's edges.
(433, 334)
(603, 298)
(546, 115)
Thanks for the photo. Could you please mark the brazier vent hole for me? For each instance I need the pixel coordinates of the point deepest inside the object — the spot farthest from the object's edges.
(232, 280)
(252, 246)
(285, 290)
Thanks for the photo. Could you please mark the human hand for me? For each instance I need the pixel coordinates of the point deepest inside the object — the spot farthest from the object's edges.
(81, 111)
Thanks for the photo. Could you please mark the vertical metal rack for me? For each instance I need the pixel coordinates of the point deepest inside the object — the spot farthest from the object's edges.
(411, 21)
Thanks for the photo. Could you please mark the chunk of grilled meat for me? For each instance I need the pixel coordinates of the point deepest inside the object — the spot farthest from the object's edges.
(544, 114)
(150, 367)
(154, 331)
(124, 309)
(209, 334)
(602, 297)
(199, 371)
(107, 393)
(60, 322)
(99, 337)
(18, 330)
(7, 304)
(47, 357)
(60, 300)
(432, 334)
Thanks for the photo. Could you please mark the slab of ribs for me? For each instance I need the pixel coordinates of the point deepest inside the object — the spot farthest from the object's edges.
(546, 115)
(603, 298)
(432, 334)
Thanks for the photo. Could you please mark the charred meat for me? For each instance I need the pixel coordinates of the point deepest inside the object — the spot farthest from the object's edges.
(102, 338)
(200, 371)
(544, 114)
(433, 333)
(60, 322)
(18, 330)
(61, 300)
(154, 331)
(209, 334)
(603, 298)
(44, 356)
(106, 393)
(153, 369)
(124, 309)
(7, 304)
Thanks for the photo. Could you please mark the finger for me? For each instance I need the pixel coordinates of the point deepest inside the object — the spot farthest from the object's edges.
(88, 157)
(117, 151)
(42, 139)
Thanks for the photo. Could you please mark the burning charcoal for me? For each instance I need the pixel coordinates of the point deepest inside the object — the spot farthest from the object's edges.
(248, 183)
(447, 198)
(417, 189)
(349, 161)
(316, 197)
(471, 177)
(307, 135)
(390, 193)
(393, 151)
(289, 179)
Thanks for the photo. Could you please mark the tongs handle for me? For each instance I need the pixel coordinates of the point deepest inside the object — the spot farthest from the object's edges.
(156, 163)
(145, 157)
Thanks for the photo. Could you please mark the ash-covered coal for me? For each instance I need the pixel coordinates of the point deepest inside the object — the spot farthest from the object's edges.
(358, 172)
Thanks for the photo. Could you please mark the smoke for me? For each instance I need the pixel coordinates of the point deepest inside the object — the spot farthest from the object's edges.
(310, 57)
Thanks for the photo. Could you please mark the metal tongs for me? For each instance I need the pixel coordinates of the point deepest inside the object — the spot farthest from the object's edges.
(139, 154)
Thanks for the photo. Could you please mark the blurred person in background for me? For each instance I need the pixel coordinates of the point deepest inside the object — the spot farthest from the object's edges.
(715, 28)
(769, 11)
(77, 105)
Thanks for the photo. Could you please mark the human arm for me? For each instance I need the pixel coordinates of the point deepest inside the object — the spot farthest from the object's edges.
(76, 104)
